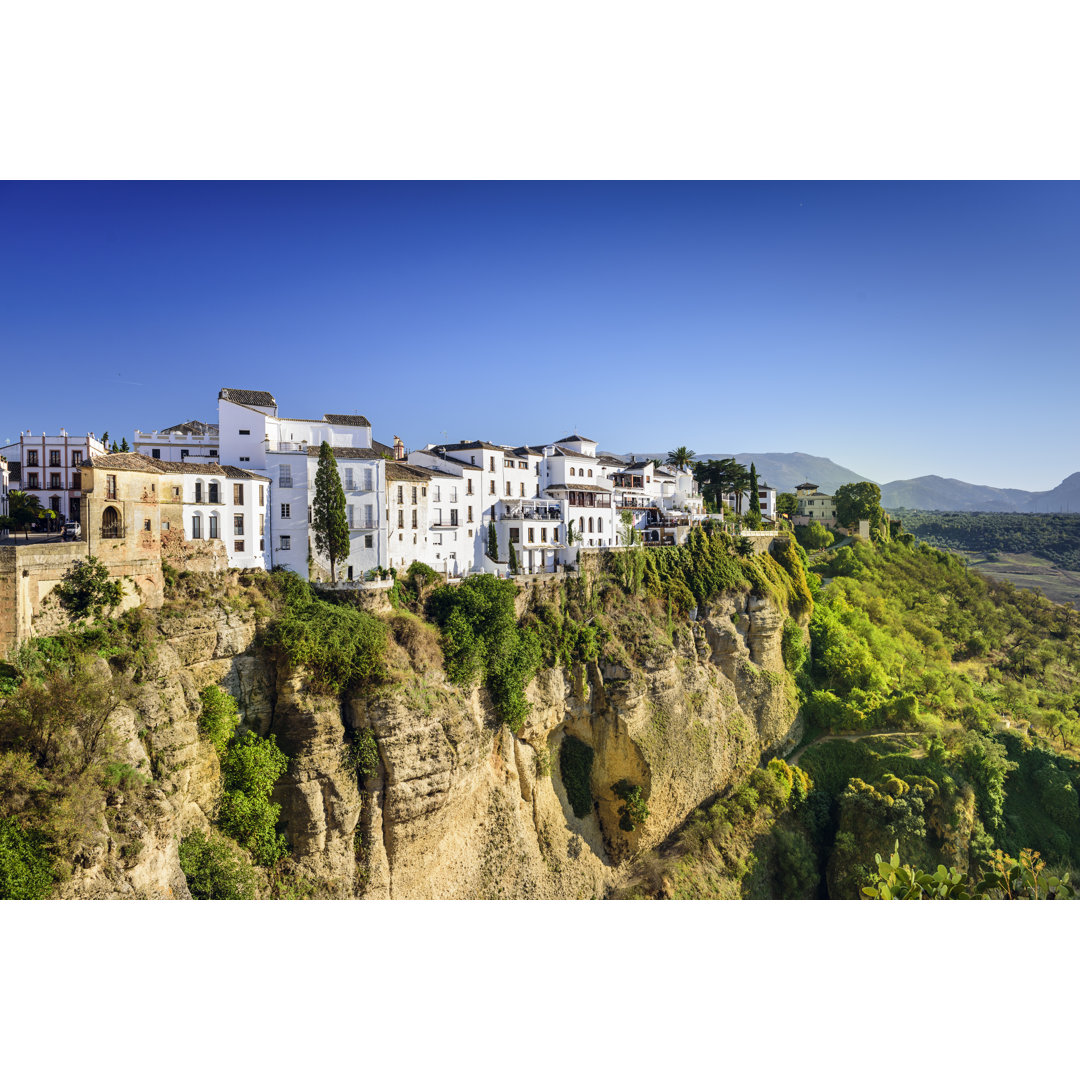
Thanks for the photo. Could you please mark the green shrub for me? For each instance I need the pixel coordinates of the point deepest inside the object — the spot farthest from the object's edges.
(634, 809)
(215, 868)
(219, 717)
(339, 645)
(85, 590)
(363, 754)
(575, 768)
(793, 647)
(25, 870)
(482, 640)
(250, 769)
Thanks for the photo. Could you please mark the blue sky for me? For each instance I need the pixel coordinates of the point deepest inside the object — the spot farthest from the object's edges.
(899, 329)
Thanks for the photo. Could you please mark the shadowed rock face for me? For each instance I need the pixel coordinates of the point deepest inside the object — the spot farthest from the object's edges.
(458, 807)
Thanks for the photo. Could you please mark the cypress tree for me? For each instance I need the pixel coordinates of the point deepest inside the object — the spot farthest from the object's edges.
(752, 517)
(513, 560)
(493, 542)
(328, 511)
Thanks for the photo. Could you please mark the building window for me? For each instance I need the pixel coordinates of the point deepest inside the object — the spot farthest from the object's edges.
(468, 487)
(76, 458)
(245, 431)
(31, 457)
(414, 519)
(146, 524)
(74, 509)
(213, 453)
(572, 470)
(32, 481)
(196, 527)
(401, 519)
(492, 487)
(214, 493)
(238, 524)
(262, 495)
(515, 535)
(198, 491)
(284, 476)
(414, 494)
(165, 526)
(435, 493)
(469, 516)
(238, 494)
(369, 516)
(213, 526)
(350, 484)
(112, 527)
(543, 536)
(369, 541)
(245, 459)
(401, 494)
(491, 466)
(532, 535)
(286, 543)
(368, 484)
(110, 486)
(54, 480)
(286, 510)
(238, 545)
(155, 453)
(183, 454)
(54, 504)
(453, 518)
(349, 514)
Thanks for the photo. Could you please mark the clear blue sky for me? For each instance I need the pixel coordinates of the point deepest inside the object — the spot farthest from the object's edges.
(899, 329)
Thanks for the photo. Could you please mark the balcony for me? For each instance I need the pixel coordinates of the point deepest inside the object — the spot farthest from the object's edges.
(531, 511)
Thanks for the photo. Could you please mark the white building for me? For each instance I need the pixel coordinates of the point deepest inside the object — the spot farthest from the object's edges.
(286, 451)
(766, 500)
(49, 466)
(192, 440)
(219, 502)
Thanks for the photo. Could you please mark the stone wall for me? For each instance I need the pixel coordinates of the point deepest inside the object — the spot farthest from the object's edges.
(30, 572)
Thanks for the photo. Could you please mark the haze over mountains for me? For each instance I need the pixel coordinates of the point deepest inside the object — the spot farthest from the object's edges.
(785, 471)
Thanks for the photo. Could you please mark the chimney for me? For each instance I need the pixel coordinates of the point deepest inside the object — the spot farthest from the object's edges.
(399, 449)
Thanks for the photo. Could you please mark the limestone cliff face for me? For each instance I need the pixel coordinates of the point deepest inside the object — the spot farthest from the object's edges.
(458, 806)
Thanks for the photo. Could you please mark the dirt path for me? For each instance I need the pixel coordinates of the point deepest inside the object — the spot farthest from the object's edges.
(855, 737)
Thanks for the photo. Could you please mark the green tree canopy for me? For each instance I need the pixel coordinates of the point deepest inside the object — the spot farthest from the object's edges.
(680, 457)
(753, 510)
(23, 508)
(328, 511)
(861, 500)
(787, 503)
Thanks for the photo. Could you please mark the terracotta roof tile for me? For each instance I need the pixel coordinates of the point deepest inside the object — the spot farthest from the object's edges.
(248, 397)
(346, 420)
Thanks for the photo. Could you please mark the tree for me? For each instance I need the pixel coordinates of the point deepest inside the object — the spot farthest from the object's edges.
(85, 590)
(124, 448)
(513, 562)
(855, 501)
(569, 533)
(738, 482)
(328, 511)
(680, 457)
(105, 439)
(22, 510)
(493, 542)
(787, 503)
(753, 512)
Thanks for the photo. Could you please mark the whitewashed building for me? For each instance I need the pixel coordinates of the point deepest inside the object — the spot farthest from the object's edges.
(192, 440)
(50, 467)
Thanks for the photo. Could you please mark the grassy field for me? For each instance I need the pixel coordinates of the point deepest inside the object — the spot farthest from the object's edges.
(1028, 571)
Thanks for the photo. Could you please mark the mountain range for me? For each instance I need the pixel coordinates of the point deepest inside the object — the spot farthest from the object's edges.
(785, 471)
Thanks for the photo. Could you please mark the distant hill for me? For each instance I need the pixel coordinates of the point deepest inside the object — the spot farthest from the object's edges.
(784, 471)
(940, 493)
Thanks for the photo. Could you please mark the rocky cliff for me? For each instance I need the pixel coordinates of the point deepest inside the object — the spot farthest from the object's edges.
(457, 807)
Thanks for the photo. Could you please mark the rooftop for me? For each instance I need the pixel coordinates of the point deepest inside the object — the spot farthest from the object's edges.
(345, 420)
(248, 397)
(190, 427)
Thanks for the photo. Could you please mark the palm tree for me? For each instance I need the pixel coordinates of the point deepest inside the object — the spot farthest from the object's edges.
(737, 480)
(23, 509)
(680, 457)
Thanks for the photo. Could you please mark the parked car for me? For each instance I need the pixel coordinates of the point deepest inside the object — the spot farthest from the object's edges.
(72, 530)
